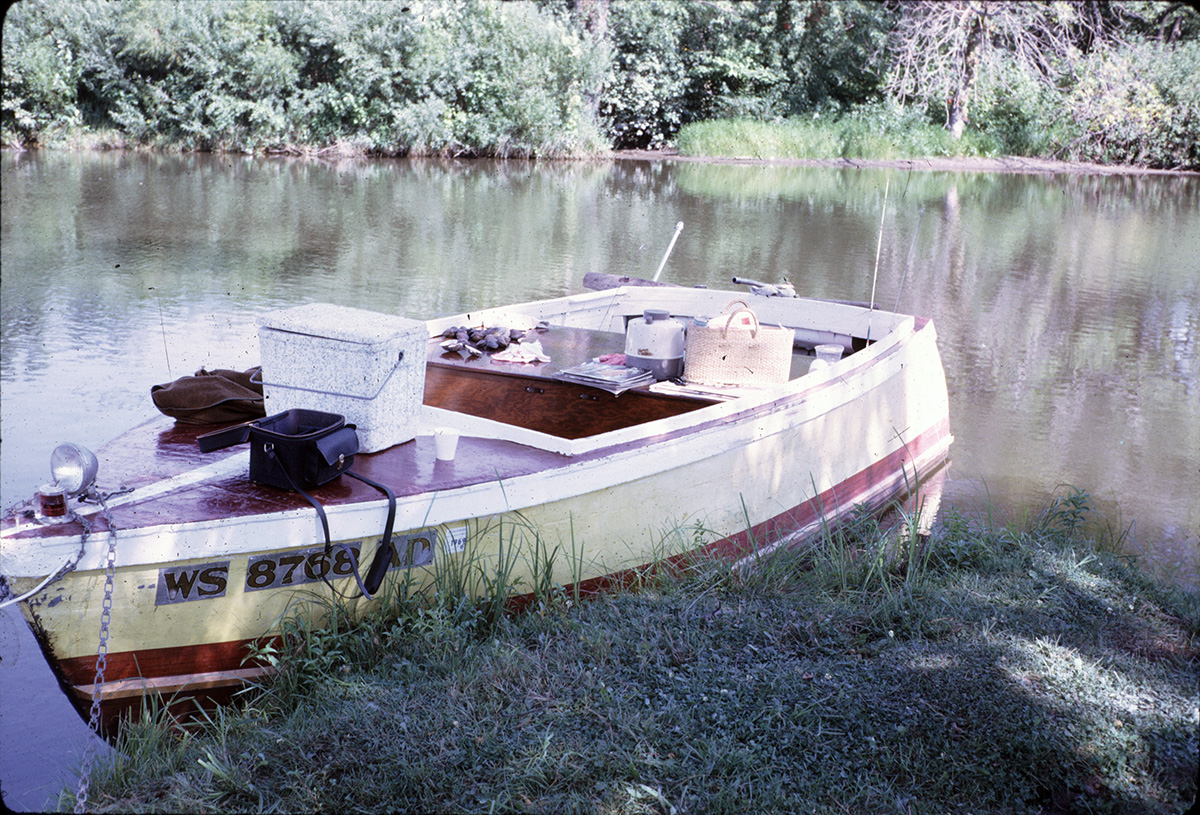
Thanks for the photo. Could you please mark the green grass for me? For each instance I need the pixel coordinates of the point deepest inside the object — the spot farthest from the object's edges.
(980, 670)
(869, 134)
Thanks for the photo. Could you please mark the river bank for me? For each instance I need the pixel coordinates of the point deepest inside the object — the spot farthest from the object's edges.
(983, 670)
(952, 164)
(955, 164)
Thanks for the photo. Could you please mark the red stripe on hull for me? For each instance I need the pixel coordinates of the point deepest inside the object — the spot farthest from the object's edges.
(838, 500)
(156, 662)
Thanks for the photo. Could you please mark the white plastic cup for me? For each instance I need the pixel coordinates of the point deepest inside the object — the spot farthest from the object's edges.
(830, 353)
(445, 440)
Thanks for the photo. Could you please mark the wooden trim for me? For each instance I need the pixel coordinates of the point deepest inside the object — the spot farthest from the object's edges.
(603, 281)
(168, 663)
(162, 685)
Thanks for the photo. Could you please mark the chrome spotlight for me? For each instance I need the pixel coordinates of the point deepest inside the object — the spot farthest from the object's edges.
(73, 468)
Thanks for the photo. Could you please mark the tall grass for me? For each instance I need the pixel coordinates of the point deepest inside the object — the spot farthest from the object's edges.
(870, 133)
(976, 669)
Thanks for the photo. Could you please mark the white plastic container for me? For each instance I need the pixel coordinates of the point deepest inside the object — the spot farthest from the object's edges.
(366, 366)
(830, 353)
(654, 342)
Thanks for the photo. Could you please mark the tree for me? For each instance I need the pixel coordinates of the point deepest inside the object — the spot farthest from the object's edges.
(592, 16)
(939, 48)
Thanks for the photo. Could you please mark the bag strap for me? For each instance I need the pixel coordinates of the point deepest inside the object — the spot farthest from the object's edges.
(383, 555)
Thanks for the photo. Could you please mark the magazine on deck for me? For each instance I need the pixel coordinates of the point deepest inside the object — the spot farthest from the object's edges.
(612, 378)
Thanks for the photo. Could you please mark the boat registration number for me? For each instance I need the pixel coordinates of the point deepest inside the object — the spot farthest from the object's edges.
(208, 581)
(279, 569)
(294, 568)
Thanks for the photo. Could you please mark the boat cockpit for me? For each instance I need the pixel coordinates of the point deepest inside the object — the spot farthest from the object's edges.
(477, 392)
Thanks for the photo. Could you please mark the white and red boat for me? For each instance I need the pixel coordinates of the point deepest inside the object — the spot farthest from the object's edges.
(552, 481)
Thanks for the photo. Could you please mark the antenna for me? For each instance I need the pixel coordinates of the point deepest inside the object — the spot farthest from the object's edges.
(878, 248)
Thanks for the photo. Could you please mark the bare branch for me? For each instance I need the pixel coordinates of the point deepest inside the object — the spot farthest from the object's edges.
(940, 47)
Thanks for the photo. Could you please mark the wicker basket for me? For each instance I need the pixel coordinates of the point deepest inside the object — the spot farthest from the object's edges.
(725, 353)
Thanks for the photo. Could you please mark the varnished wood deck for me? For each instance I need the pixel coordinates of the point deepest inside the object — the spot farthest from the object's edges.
(529, 396)
(521, 395)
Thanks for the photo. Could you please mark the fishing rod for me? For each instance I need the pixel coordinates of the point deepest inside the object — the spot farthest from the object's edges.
(908, 263)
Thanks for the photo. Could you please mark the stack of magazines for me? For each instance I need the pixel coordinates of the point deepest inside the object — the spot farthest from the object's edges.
(612, 378)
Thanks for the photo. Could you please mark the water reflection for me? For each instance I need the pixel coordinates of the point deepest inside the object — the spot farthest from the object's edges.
(1068, 306)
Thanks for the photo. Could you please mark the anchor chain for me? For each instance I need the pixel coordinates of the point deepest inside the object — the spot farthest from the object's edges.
(110, 569)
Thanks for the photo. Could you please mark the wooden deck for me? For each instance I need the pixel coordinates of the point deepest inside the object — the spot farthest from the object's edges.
(528, 395)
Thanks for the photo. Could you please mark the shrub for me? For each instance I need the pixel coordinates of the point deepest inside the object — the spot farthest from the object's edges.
(202, 75)
(1139, 105)
(833, 55)
(478, 77)
(353, 70)
(1020, 113)
(506, 80)
(40, 72)
(643, 100)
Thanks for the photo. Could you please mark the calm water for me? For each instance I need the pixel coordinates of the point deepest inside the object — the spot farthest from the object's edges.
(1068, 309)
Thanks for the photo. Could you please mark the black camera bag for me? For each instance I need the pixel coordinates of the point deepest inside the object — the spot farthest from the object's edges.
(301, 448)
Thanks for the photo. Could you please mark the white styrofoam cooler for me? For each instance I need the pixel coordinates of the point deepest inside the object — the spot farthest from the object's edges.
(366, 366)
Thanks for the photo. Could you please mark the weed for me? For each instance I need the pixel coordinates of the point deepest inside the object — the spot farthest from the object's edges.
(1067, 513)
(874, 131)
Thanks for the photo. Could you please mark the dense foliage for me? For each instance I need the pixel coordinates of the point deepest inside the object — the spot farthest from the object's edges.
(472, 77)
(1086, 79)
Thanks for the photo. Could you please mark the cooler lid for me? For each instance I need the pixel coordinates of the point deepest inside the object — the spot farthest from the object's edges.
(341, 323)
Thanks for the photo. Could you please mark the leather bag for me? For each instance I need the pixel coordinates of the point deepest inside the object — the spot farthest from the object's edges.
(307, 446)
(296, 448)
(212, 397)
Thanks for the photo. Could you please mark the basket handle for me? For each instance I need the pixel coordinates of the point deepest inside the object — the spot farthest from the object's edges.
(733, 303)
(728, 322)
